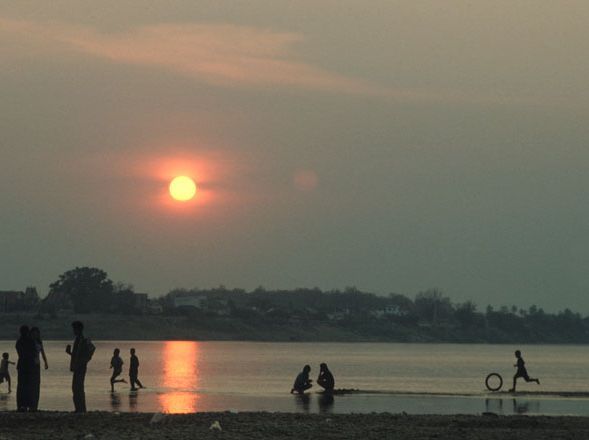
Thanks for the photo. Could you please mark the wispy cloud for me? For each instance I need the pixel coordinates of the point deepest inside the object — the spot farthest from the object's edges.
(220, 54)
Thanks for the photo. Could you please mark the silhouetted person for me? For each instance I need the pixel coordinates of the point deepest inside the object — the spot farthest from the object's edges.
(4, 373)
(325, 378)
(134, 371)
(302, 382)
(25, 347)
(80, 356)
(116, 363)
(36, 376)
(521, 371)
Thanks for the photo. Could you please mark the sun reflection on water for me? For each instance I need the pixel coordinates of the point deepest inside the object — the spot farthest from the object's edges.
(180, 377)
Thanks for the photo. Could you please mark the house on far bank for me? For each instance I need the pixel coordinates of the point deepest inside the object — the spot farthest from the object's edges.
(196, 301)
(147, 306)
(8, 300)
(131, 302)
(388, 311)
(16, 301)
(338, 315)
(154, 307)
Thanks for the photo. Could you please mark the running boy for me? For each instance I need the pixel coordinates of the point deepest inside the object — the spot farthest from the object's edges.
(521, 371)
(116, 363)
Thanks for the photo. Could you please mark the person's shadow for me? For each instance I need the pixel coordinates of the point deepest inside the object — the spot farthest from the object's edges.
(4, 401)
(494, 405)
(325, 401)
(115, 401)
(303, 401)
(133, 401)
(526, 406)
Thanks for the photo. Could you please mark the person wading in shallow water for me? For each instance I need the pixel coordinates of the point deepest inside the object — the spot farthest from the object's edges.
(325, 378)
(521, 371)
(81, 354)
(302, 382)
(36, 377)
(134, 371)
(116, 363)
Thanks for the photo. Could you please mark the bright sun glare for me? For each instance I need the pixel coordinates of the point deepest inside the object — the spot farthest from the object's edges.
(182, 188)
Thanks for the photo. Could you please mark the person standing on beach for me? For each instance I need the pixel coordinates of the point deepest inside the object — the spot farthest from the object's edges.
(326, 379)
(81, 354)
(36, 376)
(4, 374)
(521, 371)
(25, 347)
(134, 371)
(116, 363)
(302, 382)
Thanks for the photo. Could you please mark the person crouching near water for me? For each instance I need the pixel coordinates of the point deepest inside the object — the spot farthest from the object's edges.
(302, 382)
(116, 363)
(521, 371)
(326, 379)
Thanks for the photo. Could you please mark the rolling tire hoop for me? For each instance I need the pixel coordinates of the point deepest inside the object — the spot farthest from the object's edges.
(488, 380)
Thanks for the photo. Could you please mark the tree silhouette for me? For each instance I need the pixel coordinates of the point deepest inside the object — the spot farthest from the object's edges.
(87, 289)
(432, 306)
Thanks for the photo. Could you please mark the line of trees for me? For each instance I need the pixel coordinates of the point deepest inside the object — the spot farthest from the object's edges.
(429, 316)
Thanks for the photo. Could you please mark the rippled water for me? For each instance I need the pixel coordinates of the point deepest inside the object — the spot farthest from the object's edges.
(183, 376)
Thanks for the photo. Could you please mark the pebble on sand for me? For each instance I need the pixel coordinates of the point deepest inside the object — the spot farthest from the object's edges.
(215, 426)
(157, 418)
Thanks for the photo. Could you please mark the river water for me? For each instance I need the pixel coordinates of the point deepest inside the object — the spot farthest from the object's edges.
(187, 376)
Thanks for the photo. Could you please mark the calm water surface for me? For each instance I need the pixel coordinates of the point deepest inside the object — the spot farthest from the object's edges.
(186, 376)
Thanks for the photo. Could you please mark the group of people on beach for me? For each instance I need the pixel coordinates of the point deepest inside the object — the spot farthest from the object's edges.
(30, 351)
(325, 380)
(29, 347)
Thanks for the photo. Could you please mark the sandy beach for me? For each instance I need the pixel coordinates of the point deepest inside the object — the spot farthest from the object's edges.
(101, 425)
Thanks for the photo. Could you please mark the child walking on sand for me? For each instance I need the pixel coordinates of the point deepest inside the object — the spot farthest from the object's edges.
(4, 374)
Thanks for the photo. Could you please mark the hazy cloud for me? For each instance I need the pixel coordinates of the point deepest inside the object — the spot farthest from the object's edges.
(219, 54)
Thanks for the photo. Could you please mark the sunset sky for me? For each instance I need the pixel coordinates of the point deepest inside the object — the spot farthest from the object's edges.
(389, 145)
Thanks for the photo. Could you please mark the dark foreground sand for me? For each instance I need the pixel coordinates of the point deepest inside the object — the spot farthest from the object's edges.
(97, 425)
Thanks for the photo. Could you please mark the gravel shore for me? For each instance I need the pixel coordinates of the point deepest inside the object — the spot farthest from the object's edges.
(100, 425)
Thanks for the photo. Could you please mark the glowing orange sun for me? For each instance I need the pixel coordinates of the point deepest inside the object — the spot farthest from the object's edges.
(182, 188)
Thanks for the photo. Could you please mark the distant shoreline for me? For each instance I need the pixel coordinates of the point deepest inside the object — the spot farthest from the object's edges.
(99, 425)
(110, 327)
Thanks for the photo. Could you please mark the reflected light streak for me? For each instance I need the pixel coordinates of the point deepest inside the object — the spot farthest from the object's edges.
(180, 377)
